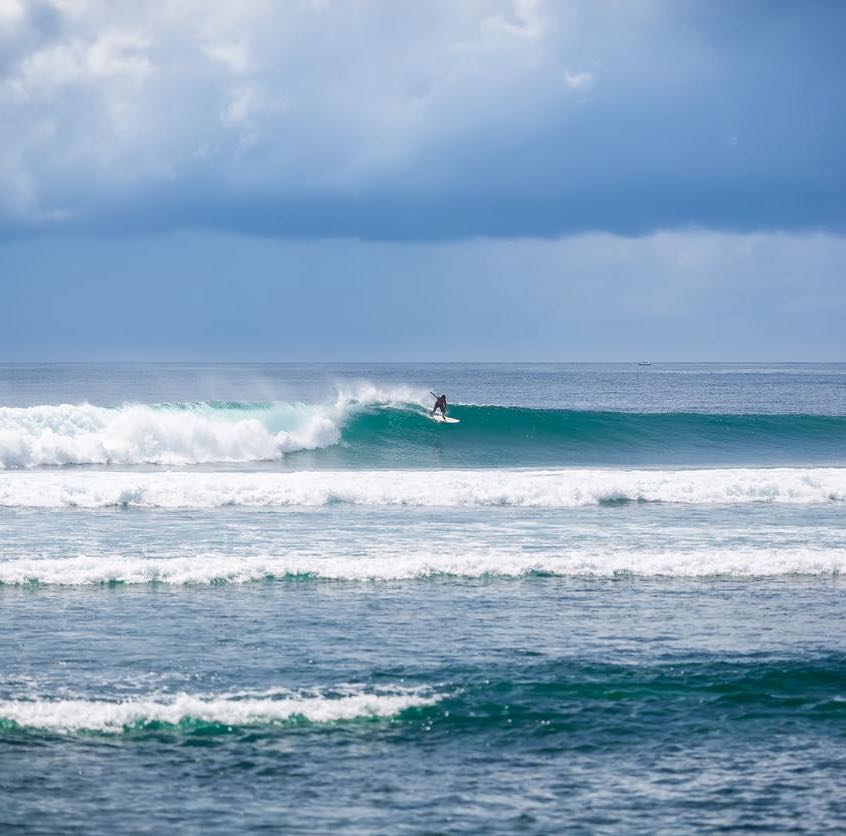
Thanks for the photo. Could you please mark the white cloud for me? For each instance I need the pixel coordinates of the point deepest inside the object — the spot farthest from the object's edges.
(579, 80)
(233, 54)
(112, 54)
(72, 8)
(521, 20)
(324, 95)
(11, 11)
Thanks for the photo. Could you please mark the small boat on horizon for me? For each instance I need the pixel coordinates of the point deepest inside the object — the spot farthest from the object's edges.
(644, 363)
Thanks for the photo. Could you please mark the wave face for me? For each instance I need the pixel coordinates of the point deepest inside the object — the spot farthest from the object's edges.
(375, 427)
(419, 488)
(517, 436)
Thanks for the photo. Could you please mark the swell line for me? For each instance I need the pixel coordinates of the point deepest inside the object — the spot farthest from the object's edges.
(384, 428)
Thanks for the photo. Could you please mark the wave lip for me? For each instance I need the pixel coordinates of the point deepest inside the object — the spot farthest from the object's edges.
(232, 710)
(563, 488)
(204, 569)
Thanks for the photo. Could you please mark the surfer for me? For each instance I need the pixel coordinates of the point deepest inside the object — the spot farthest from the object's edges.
(440, 403)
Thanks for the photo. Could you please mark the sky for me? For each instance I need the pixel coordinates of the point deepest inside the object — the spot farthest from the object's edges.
(449, 180)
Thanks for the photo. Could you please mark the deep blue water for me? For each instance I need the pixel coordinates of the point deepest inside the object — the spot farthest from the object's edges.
(271, 597)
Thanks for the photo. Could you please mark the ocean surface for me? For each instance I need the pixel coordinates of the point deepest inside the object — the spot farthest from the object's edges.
(243, 598)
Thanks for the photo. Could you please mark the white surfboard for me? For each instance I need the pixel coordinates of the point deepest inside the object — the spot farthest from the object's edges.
(441, 419)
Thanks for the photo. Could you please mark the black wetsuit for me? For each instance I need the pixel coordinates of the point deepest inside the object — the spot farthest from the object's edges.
(440, 403)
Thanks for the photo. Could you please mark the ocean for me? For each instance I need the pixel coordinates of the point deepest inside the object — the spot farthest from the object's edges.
(261, 597)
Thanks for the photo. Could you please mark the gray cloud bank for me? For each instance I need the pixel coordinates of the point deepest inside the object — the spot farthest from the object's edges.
(421, 121)
(667, 296)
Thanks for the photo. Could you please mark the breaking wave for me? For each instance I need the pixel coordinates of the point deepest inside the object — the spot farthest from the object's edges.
(180, 433)
(191, 712)
(371, 427)
(204, 569)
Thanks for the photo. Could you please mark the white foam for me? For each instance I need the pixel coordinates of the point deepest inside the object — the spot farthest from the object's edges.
(231, 710)
(199, 433)
(577, 562)
(444, 488)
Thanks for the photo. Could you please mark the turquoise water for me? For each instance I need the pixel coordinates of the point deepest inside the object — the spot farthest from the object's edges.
(241, 598)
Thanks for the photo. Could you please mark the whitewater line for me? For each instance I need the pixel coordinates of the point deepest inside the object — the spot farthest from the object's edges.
(111, 717)
(205, 569)
(563, 488)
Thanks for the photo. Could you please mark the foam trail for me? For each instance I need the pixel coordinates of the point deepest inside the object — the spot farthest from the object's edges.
(185, 709)
(221, 568)
(444, 488)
